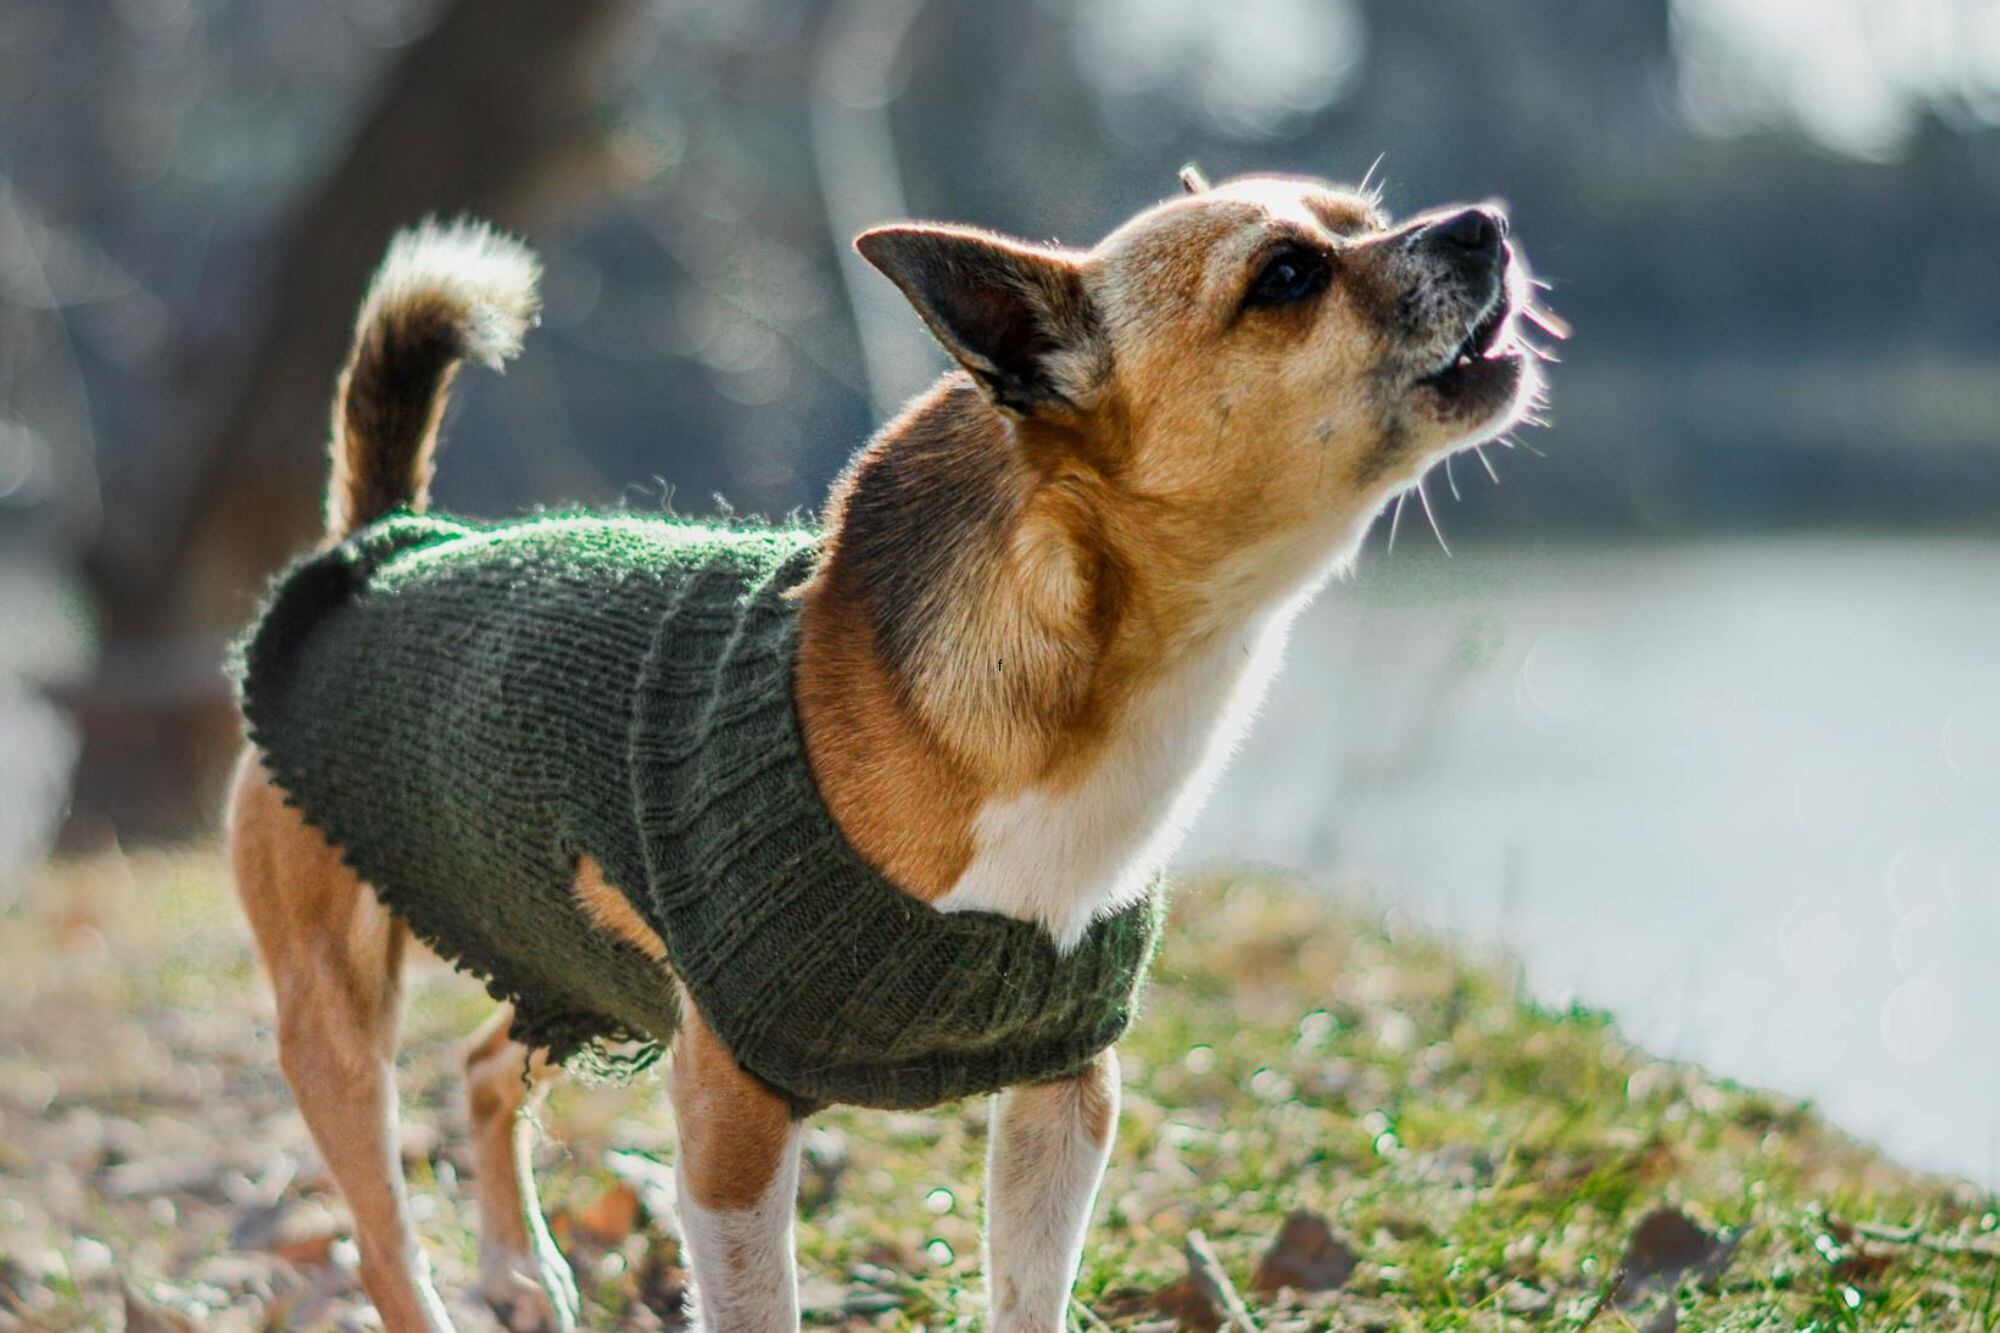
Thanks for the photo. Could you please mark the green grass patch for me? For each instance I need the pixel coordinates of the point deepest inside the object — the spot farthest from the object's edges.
(1482, 1161)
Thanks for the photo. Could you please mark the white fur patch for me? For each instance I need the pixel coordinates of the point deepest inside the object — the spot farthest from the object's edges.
(1045, 1160)
(1063, 858)
(742, 1261)
(488, 277)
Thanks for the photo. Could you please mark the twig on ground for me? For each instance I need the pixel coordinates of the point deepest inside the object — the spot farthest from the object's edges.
(1895, 1235)
(1089, 1317)
(1208, 1274)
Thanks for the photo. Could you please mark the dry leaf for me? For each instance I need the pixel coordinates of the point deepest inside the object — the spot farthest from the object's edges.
(313, 1250)
(1187, 1305)
(613, 1217)
(1306, 1256)
(1665, 1246)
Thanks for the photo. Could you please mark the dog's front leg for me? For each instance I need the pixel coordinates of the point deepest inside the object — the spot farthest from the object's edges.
(738, 1174)
(1044, 1160)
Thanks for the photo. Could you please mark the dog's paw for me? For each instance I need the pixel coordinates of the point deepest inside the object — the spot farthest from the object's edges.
(522, 1304)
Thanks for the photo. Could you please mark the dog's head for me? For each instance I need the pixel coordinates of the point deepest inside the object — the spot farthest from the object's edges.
(1264, 362)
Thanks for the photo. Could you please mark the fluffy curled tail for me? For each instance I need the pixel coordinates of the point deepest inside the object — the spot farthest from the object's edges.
(446, 293)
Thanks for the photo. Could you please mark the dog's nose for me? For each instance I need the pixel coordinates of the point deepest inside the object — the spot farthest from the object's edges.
(1477, 232)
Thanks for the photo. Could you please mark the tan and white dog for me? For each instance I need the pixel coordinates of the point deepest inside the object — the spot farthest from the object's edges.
(1154, 452)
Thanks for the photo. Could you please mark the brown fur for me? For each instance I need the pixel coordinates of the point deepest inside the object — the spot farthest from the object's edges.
(335, 959)
(1134, 453)
(1006, 575)
(730, 1125)
(391, 398)
(613, 912)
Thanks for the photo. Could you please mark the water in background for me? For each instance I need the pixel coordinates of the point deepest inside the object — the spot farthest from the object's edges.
(1742, 796)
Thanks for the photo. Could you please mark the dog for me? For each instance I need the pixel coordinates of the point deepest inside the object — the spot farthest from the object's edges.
(1042, 606)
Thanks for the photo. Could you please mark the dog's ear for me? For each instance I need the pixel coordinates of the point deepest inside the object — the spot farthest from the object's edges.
(1015, 315)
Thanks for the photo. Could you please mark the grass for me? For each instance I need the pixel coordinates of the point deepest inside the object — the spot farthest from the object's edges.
(1485, 1162)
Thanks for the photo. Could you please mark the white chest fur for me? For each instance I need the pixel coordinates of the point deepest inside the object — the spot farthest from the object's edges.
(1064, 857)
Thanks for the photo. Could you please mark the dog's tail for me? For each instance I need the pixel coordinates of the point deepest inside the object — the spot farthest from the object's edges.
(446, 292)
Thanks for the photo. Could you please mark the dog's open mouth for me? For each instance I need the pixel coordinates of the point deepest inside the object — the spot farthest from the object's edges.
(1487, 345)
(1484, 371)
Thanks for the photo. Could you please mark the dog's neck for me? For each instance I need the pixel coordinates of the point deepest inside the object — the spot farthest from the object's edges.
(1013, 682)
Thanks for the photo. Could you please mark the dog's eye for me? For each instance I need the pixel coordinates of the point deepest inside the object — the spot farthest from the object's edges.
(1292, 274)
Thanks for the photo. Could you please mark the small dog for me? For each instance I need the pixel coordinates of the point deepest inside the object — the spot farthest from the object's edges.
(1043, 602)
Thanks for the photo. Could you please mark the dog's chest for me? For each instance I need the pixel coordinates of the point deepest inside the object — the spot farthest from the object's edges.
(1062, 857)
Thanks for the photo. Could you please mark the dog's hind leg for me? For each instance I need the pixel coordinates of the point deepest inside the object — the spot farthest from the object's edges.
(738, 1176)
(522, 1274)
(335, 956)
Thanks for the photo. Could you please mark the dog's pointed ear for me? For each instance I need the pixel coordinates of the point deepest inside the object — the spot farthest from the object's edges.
(1015, 315)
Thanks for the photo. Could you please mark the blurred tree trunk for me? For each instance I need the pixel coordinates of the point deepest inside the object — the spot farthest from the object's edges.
(495, 111)
(861, 183)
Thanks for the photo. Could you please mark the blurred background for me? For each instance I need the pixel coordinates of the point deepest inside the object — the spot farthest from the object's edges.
(1701, 721)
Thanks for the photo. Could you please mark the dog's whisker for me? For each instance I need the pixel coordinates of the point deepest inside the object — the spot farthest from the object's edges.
(1486, 462)
(1545, 319)
(1368, 177)
(1424, 497)
(1396, 517)
(1451, 480)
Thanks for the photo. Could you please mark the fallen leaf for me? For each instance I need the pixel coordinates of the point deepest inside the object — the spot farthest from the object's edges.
(1187, 1305)
(1306, 1256)
(613, 1217)
(1665, 1246)
(308, 1251)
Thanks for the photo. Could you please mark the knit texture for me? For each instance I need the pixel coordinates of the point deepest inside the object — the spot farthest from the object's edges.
(465, 710)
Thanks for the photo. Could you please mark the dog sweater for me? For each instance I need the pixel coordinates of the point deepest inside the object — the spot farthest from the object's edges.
(466, 710)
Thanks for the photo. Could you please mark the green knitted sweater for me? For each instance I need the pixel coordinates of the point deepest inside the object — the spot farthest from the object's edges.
(466, 710)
